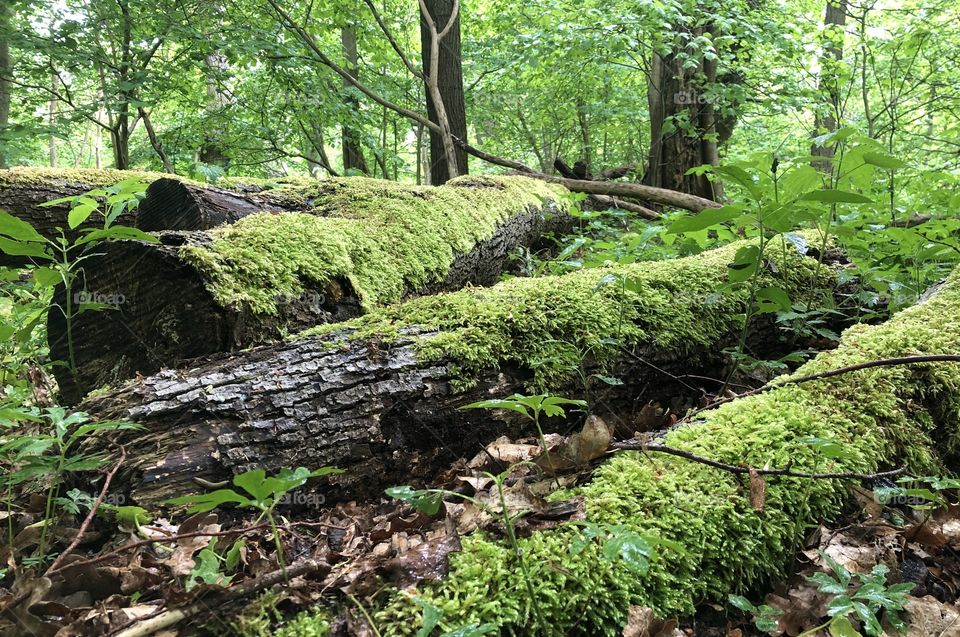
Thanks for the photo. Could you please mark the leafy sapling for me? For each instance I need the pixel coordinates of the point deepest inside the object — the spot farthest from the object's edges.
(262, 493)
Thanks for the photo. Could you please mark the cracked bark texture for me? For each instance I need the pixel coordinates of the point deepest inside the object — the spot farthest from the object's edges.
(373, 408)
(163, 312)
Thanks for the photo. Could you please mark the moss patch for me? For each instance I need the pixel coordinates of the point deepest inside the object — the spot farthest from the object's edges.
(549, 324)
(881, 417)
(95, 178)
(385, 238)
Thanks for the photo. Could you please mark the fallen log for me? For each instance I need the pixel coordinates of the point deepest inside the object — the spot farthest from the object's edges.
(171, 204)
(23, 190)
(378, 396)
(732, 537)
(365, 244)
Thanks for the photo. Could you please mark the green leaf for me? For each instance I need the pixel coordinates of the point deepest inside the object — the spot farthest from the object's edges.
(424, 500)
(79, 214)
(17, 248)
(835, 196)
(742, 603)
(776, 297)
(841, 627)
(745, 264)
(883, 161)
(630, 547)
(431, 616)
(18, 229)
(204, 502)
(705, 219)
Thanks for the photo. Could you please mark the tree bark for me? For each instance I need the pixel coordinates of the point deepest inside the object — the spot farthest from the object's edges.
(447, 73)
(834, 20)
(171, 204)
(353, 159)
(6, 71)
(211, 152)
(165, 311)
(381, 411)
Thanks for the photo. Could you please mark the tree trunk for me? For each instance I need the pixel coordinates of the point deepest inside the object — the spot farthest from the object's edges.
(52, 113)
(6, 71)
(450, 85)
(155, 142)
(677, 136)
(825, 120)
(211, 152)
(190, 296)
(352, 150)
(386, 411)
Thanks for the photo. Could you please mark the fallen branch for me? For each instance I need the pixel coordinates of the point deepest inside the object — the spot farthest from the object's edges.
(92, 514)
(174, 616)
(795, 380)
(631, 445)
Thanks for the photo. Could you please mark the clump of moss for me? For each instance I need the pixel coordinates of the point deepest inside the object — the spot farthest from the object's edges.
(385, 238)
(881, 417)
(549, 324)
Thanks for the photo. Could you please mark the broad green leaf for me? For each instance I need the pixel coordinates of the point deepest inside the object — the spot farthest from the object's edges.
(841, 627)
(79, 214)
(204, 502)
(705, 219)
(431, 616)
(835, 196)
(421, 499)
(883, 161)
(742, 603)
(18, 229)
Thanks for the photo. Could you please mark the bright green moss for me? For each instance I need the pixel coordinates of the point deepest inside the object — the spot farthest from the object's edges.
(549, 324)
(882, 417)
(95, 178)
(385, 238)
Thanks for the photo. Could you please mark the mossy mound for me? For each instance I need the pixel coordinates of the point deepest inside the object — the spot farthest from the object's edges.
(881, 417)
(550, 324)
(386, 239)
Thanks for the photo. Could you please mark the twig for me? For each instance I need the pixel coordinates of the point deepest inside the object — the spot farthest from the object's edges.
(741, 469)
(93, 512)
(640, 359)
(175, 616)
(883, 362)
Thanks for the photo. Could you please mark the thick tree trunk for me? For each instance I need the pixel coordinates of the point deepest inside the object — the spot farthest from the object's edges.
(189, 296)
(385, 410)
(450, 84)
(677, 139)
(353, 159)
(171, 204)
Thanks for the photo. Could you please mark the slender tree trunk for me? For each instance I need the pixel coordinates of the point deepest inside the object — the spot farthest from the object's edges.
(155, 141)
(825, 120)
(212, 152)
(6, 70)
(586, 154)
(445, 95)
(352, 150)
(53, 109)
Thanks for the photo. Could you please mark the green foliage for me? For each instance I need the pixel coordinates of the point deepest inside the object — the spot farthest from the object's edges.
(764, 616)
(861, 598)
(728, 545)
(260, 492)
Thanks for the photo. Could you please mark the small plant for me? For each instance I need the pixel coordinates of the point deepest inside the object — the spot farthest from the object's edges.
(860, 598)
(532, 407)
(61, 256)
(48, 456)
(764, 617)
(263, 493)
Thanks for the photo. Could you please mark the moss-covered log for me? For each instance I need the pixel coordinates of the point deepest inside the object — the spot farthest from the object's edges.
(364, 244)
(171, 204)
(22, 190)
(379, 395)
(881, 418)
